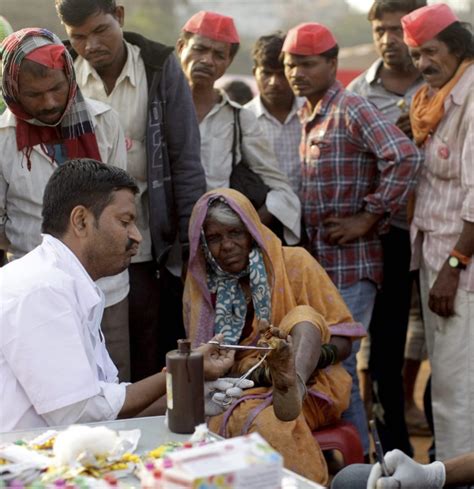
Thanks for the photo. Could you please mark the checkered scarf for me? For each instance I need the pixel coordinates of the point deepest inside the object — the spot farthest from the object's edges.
(74, 130)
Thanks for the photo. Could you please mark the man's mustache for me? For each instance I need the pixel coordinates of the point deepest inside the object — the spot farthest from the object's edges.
(56, 111)
(430, 71)
(130, 244)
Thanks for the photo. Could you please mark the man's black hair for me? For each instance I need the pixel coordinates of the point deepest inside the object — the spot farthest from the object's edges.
(381, 7)
(238, 91)
(75, 12)
(331, 53)
(185, 36)
(458, 38)
(267, 49)
(84, 182)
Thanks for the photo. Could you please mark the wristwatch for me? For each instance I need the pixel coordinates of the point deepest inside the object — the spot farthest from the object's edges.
(455, 262)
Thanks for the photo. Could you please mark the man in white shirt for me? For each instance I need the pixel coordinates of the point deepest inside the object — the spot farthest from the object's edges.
(54, 366)
(48, 121)
(206, 48)
(143, 82)
(276, 107)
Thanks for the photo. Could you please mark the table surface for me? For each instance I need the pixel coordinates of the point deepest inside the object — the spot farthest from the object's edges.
(154, 432)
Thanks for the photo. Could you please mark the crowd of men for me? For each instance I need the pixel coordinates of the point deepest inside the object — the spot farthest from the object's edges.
(374, 180)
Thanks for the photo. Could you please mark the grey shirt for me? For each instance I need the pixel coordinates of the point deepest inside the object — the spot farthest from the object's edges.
(392, 105)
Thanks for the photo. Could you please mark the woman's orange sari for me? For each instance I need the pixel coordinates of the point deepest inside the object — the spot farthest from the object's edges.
(301, 291)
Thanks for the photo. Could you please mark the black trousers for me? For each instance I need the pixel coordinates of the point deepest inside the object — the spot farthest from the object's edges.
(388, 330)
(155, 317)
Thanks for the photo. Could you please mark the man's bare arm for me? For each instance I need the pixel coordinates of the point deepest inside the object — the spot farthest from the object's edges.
(460, 470)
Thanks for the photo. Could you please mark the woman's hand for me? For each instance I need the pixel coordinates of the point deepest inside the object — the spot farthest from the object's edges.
(217, 362)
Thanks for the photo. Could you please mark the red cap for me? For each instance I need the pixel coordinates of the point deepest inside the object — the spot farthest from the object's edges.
(50, 56)
(425, 23)
(309, 39)
(212, 25)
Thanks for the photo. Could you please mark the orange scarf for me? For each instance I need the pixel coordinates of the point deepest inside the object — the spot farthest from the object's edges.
(427, 110)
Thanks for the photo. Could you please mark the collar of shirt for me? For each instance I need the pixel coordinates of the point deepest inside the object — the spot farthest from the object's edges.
(90, 294)
(224, 100)
(322, 106)
(372, 74)
(262, 111)
(128, 70)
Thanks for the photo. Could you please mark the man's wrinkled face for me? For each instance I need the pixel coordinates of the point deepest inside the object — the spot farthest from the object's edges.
(99, 39)
(273, 86)
(45, 97)
(387, 34)
(435, 62)
(203, 60)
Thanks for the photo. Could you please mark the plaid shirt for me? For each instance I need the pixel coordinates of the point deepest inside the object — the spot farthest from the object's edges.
(354, 159)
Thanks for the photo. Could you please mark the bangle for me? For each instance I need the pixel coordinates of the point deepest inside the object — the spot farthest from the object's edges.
(328, 355)
(465, 260)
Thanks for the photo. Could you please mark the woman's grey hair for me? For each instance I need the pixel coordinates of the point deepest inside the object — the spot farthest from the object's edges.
(222, 213)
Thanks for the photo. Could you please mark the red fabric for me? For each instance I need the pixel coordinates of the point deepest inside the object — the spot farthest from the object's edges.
(309, 39)
(425, 23)
(28, 135)
(214, 26)
(50, 56)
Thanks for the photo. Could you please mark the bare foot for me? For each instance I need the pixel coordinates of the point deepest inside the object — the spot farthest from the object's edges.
(287, 397)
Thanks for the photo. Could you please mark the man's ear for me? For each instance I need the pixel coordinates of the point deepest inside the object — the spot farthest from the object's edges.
(180, 43)
(119, 14)
(80, 220)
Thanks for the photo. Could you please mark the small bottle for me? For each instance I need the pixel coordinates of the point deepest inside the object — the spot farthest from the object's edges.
(184, 388)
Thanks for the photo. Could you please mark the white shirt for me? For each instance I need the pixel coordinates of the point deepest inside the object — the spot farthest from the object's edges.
(54, 367)
(129, 98)
(285, 137)
(21, 190)
(217, 130)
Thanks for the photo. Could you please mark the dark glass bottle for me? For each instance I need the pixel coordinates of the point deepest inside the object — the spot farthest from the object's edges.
(184, 388)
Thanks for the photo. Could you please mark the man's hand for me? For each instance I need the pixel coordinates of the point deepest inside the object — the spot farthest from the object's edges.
(443, 292)
(342, 230)
(406, 474)
(217, 362)
(403, 123)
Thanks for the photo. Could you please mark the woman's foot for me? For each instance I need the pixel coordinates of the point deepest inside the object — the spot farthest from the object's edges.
(288, 391)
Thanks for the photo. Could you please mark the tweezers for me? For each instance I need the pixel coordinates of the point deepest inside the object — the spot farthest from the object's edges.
(223, 346)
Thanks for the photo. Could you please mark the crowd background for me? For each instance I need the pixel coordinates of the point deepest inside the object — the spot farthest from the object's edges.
(161, 20)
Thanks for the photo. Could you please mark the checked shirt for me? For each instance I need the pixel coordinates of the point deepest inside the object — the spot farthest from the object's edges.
(353, 159)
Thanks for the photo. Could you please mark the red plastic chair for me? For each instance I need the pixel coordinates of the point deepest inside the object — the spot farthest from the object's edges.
(341, 436)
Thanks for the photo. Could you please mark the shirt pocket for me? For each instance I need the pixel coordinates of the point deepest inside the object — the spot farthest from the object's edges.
(441, 160)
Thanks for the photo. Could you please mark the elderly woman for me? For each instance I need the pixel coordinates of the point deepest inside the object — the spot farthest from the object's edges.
(240, 277)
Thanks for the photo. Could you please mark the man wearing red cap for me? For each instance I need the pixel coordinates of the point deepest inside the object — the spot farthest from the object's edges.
(442, 231)
(390, 83)
(46, 123)
(358, 169)
(206, 48)
(143, 82)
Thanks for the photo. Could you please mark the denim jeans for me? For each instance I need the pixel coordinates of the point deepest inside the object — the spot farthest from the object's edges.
(360, 299)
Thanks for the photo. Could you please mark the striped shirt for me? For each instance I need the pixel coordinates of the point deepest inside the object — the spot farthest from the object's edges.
(285, 138)
(354, 159)
(445, 193)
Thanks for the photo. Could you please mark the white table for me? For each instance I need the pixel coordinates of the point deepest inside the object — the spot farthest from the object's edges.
(154, 433)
